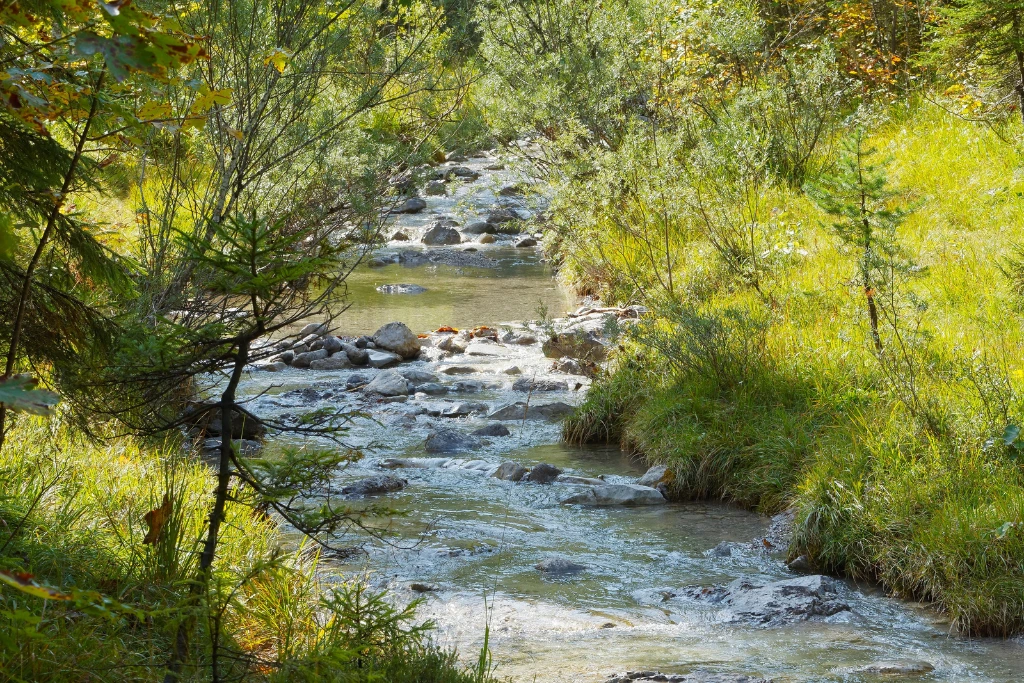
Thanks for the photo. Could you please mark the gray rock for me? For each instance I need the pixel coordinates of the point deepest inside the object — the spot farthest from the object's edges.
(332, 344)
(446, 440)
(800, 565)
(525, 242)
(510, 471)
(547, 411)
(401, 289)
(512, 190)
(583, 481)
(318, 329)
(900, 667)
(338, 361)
(273, 366)
(543, 473)
(400, 236)
(371, 486)
(285, 356)
(723, 549)
(776, 603)
(479, 228)
(463, 409)
(487, 239)
(582, 345)
(559, 565)
(315, 344)
(432, 388)
(654, 476)
(512, 370)
(463, 173)
(355, 354)
(356, 380)
(411, 205)
(496, 429)
(617, 494)
(527, 384)
(499, 216)
(435, 188)
(693, 677)
(458, 370)
(456, 156)
(303, 360)
(422, 588)
(414, 463)
(397, 338)
(417, 376)
(439, 236)
(381, 359)
(388, 383)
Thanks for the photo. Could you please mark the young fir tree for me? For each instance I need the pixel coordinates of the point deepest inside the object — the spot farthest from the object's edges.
(858, 195)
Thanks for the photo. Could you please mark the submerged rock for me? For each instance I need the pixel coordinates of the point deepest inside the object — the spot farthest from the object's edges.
(446, 440)
(583, 481)
(559, 565)
(520, 410)
(897, 668)
(775, 603)
(723, 549)
(384, 483)
(401, 289)
(617, 494)
(527, 384)
(695, 677)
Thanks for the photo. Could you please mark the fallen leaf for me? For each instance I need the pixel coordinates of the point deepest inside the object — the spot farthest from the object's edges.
(156, 518)
(27, 584)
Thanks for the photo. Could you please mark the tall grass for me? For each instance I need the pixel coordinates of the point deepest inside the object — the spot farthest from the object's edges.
(72, 514)
(888, 460)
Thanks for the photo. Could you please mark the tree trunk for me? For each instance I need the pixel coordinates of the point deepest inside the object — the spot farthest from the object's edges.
(51, 222)
(209, 552)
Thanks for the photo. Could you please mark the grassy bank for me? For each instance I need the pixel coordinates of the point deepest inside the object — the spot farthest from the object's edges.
(895, 461)
(73, 515)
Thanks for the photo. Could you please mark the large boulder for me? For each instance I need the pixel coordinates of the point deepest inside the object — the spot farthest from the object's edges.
(388, 383)
(519, 410)
(371, 486)
(510, 471)
(206, 417)
(617, 494)
(446, 440)
(775, 603)
(543, 473)
(435, 188)
(397, 338)
(440, 235)
(411, 205)
(581, 345)
(658, 474)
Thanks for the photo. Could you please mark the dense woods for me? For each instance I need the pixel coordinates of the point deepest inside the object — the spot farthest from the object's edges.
(816, 203)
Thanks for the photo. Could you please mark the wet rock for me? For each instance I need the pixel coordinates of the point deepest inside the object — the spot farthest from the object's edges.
(780, 531)
(432, 388)
(523, 339)
(381, 359)
(463, 409)
(776, 603)
(456, 156)
(356, 380)
(525, 242)
(512, 370)
(582, 481)
(658, 474)
(205, 417)
(303, 360)
(519, 411)
(338, 361)
(496, 429)
(890, 668)
(458, 370)
(543, 473)
(422, 588)
(510, 471)
(496, 166)
(512, 190)
(463, 173)
(617, 494)
(411, 205)
(416, 375)
(582, 345)
(243, 447)
(446, 440)
(500, 216)
(439, 236)
(800, 565)
(451, 345)
(478, 228)
(364, 342)
(397, 338)
(723, 549)
(414, 463)
(435, 188)
(388, 383)
(487, 239)
(526, 384)
(371, 486)
(285, 356)
(695, 677)
(401, 289)
(273, 366)
(558, 565)
(332, 344)
(400, 236)
(355, 354)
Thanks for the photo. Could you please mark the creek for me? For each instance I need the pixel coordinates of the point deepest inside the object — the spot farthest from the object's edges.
(474, 540)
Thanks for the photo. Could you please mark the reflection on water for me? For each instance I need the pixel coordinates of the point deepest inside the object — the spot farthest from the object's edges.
(461, 297)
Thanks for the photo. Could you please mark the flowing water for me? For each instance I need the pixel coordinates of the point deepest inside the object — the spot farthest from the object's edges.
(475, 539)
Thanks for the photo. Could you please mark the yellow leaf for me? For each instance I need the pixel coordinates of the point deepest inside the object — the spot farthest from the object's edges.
(235, 133)
(279, 58)
(154, 110)
(156, 518)
(26, 583)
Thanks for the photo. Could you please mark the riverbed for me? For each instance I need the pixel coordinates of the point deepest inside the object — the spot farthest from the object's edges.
(472, 540)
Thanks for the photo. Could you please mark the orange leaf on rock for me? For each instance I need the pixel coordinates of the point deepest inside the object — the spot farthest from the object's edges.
(156, 518)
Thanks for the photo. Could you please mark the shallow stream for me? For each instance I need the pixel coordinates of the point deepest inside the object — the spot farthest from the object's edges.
(475, 539)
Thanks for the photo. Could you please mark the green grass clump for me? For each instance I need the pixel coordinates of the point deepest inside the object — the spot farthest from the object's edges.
(72, 515)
